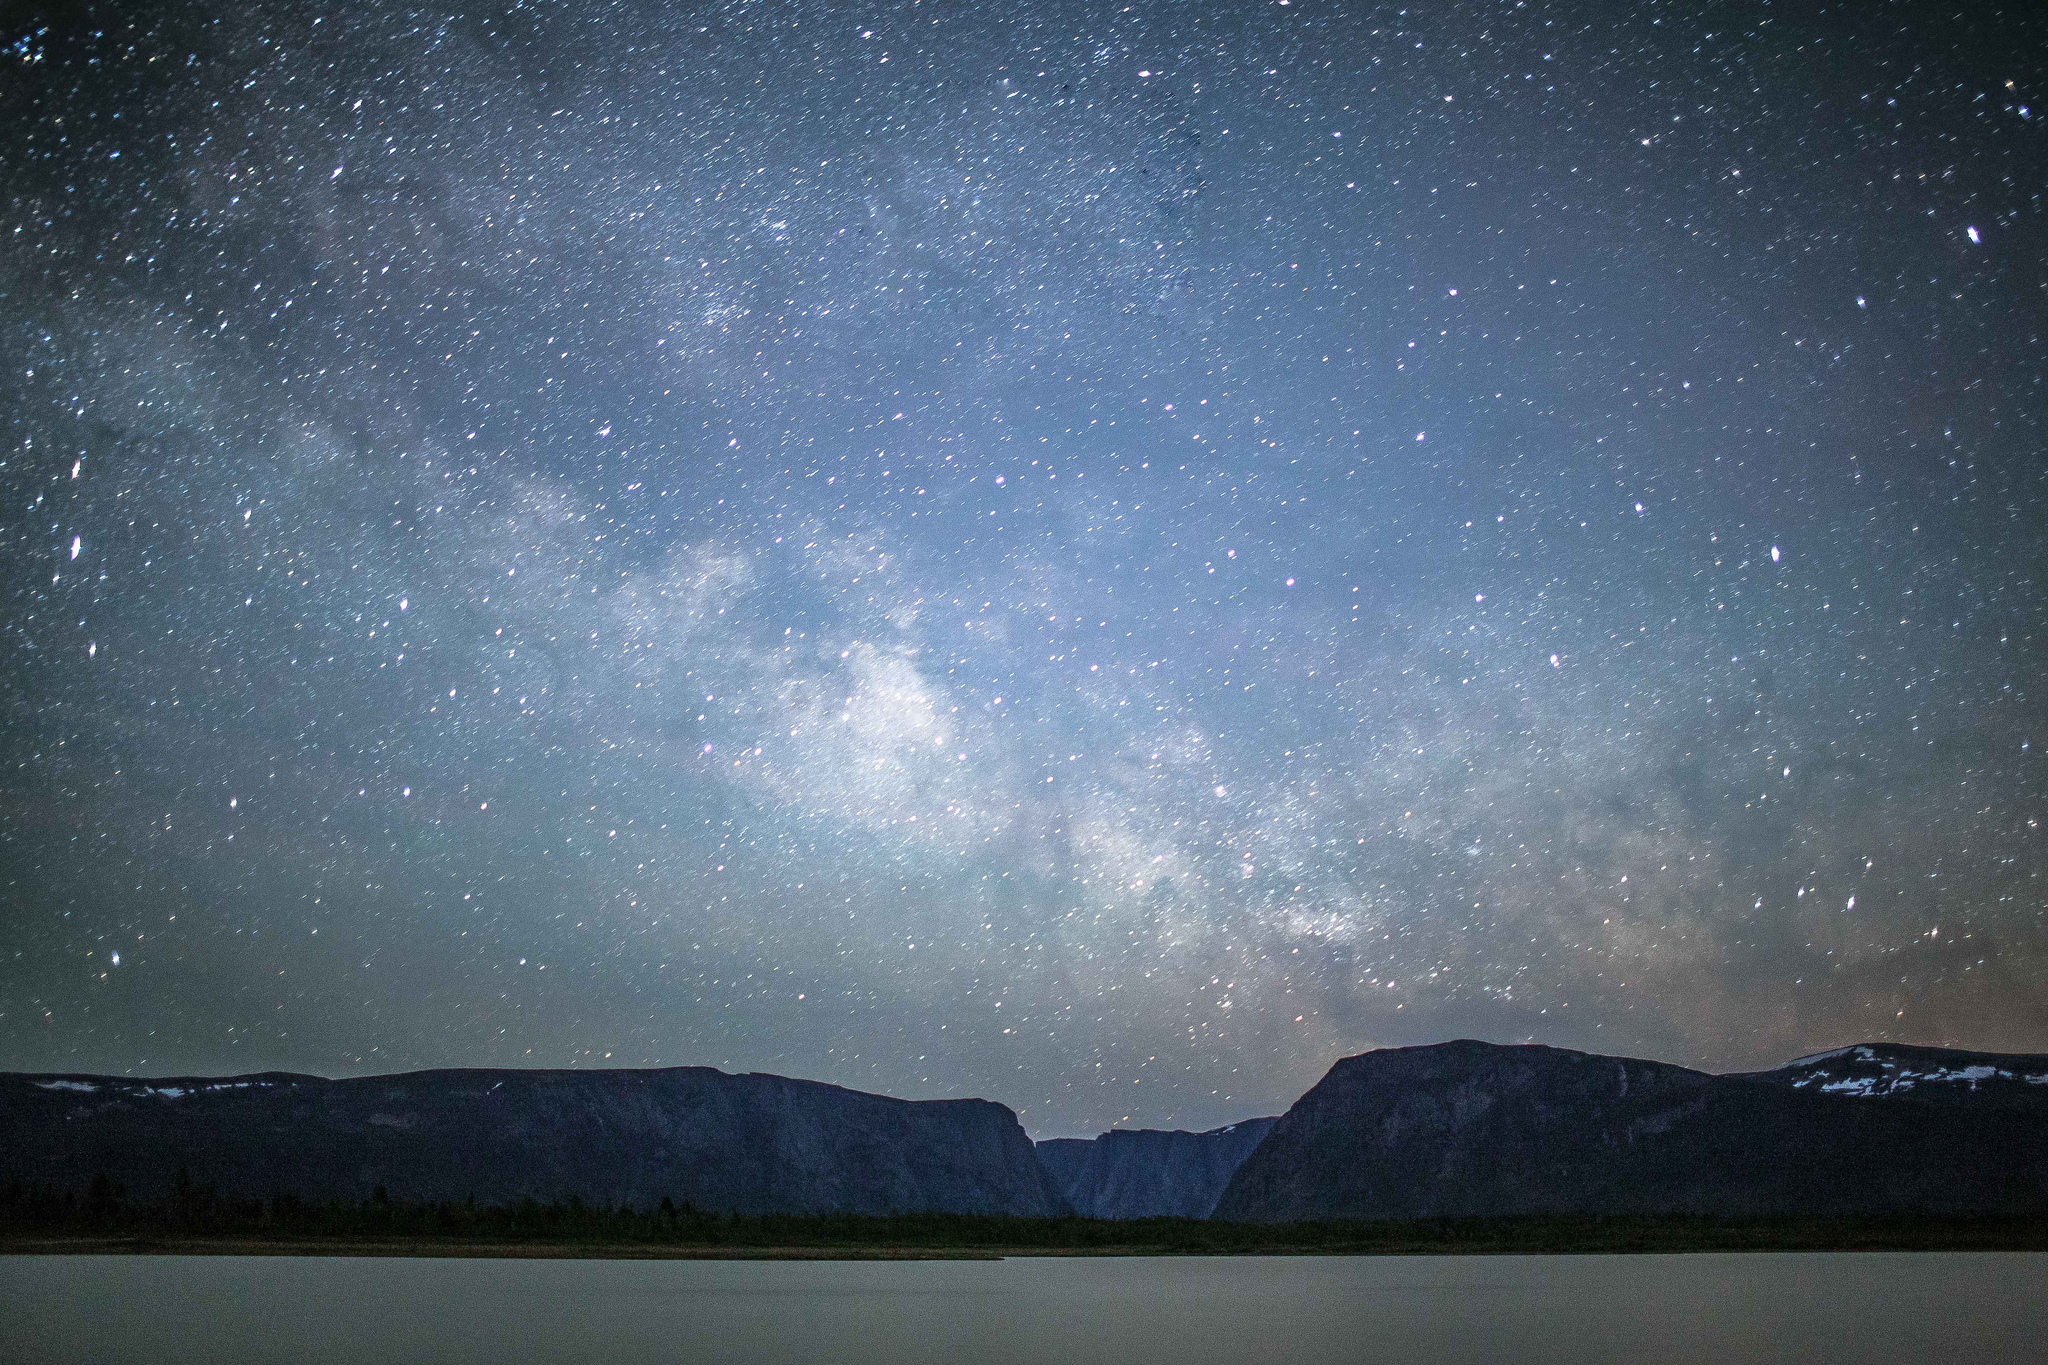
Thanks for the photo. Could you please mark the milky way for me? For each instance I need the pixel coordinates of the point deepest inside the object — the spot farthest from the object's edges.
(1102, 558)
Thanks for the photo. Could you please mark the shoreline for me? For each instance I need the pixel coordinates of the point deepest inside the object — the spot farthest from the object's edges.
(429, 1250)
(1673, 1243)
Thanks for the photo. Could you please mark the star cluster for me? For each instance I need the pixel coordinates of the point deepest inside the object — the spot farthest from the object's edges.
(1098, 557)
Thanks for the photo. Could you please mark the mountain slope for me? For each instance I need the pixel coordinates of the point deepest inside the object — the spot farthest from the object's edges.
(1148, 1173)
(752, 1143)
(1469, 1128)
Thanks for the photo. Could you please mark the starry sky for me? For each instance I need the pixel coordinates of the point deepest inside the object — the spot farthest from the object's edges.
(1102, 557)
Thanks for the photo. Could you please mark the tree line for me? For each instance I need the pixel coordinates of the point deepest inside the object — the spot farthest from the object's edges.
(195, 1211)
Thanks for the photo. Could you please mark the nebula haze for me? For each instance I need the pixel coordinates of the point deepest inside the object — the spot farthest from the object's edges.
(1102, 558)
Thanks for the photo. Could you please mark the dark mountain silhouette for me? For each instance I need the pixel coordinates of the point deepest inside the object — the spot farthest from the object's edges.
(1468, 1128)
(1147, 1173)
(1453, 1129)
(751, 1143)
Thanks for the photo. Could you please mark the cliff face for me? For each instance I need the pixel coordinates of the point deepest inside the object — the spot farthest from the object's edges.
(751, 1143)
(1470, 1128)
(1146, 1173)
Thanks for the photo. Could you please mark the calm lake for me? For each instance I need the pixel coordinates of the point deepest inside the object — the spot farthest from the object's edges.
(1441, 1310)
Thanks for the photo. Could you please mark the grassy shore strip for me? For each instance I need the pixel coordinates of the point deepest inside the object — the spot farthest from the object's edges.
(943, 1237)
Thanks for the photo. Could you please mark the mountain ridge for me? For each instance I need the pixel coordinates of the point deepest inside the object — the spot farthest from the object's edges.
(1458, 1128)
(1465, 1128)
(754, 1142)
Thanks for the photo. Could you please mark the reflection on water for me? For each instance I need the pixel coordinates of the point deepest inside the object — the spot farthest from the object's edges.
(1795, 1307)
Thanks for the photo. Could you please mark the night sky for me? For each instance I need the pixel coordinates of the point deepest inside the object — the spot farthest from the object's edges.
(1098, 557)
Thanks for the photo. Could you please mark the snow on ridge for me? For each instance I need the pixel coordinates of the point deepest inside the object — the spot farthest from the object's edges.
(1974, 1074)
(150, 1089)
(174, 1092)
(1896, 1079)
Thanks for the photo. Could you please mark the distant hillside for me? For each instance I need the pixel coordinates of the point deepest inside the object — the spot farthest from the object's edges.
(1147, 1173)
(1469, 1128)
(751, 1143)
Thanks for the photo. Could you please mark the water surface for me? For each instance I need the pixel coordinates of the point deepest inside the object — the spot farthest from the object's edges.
(1906, 1307)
